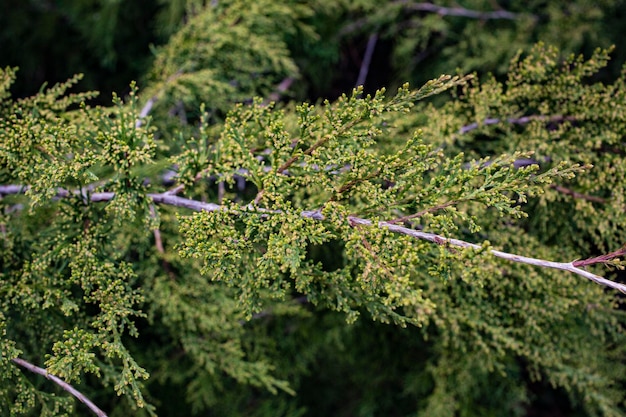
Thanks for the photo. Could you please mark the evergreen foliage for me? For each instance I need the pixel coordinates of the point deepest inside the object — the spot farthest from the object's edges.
(548, 104)
(191, 249)
(208, 62)
(51, 41)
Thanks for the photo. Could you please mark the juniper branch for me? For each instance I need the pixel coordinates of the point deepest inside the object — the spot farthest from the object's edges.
(64, 385)
(523, 162)
(320, 142)
(172, 200)
(565, 266)
(280, 89)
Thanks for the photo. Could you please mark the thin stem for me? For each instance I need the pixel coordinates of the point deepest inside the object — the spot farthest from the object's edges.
(601, 259)
(221, 191)
(458, 11)
(258, 198)
(309, 151)
(575, 194)
(347, 186)
(64, 385)
(516, 121)
(367, 59)
(279, 91)
(320, 142)
(174, 200)
(157, 233)
(145, 110)
(427, 7)
(421, 213)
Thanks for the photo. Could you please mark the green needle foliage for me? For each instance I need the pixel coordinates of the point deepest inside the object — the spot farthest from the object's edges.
(226, 53)
(549, 104)
(283, 271)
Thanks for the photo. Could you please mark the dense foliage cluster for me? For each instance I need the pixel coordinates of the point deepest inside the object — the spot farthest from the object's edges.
(197, 247)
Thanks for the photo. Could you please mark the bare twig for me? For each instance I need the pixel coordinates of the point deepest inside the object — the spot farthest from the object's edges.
(258, 198)
(601, 259)
(173, 200)
(280, 89)
(517, 121)
(457, 11)
(575, 194)
(145, 110)
(367, 59)
(13, 189)
(221, 191)
(421, 213)
(409, 6)
(177, 189)
(158, 242)
(64, 385)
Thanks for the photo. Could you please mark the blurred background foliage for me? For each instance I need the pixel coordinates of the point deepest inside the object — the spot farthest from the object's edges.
(184, 53)
(114, 41)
